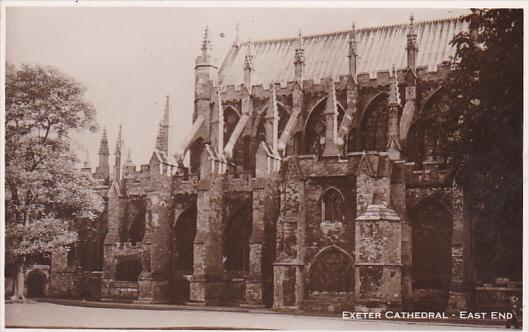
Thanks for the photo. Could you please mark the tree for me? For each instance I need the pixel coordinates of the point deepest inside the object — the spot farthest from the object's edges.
(485, 130)
(46, 196)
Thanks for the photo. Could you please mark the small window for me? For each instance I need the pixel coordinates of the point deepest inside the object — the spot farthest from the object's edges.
(332, 206)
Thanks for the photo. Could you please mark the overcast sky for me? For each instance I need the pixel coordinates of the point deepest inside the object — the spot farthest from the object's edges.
(130, 58)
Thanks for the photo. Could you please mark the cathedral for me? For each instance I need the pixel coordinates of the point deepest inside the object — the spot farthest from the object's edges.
(311, 179)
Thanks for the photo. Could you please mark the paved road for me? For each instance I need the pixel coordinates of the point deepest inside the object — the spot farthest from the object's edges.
(60, 316)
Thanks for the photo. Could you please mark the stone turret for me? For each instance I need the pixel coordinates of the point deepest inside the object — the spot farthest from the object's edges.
(411, 45)
(162, 140)
(103, 170)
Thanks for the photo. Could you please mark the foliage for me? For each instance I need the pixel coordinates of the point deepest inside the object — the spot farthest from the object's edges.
(485, 128)
(46, 196)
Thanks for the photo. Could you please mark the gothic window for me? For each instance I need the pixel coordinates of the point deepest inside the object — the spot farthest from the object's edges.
(231, 117)
(425, 141)
(332, 206)
(315, 131)
(332, 272)
(374, 125)
(128, 270)
(248, 157)
(184, 236)
(261, 131)
(237, 237)
(284, 115)
(137, 227)
(432, 245)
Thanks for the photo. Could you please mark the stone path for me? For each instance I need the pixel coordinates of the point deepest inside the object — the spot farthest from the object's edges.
(32, 315)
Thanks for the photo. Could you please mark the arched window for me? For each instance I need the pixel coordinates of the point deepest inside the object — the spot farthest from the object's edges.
(425, 142)
(128, 270)
(332, 206)
(374, 125)
(315, 129)
(231, 117)
(137, 227)
(184, 235)
(332, 271)
(431, 248)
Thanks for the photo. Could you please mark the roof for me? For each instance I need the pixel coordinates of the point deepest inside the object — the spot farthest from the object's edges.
(326, 54)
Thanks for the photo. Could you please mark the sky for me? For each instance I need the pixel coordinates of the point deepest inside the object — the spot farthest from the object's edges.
(130, 58)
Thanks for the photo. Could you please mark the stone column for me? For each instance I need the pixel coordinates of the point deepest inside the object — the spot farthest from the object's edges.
(207, 284)
(265, 212)
(459, 293)
(288, 268)
(155, 279)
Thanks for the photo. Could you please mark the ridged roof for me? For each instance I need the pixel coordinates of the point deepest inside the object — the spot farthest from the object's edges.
(326, 54)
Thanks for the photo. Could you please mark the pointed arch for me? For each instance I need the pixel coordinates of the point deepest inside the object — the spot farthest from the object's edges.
(231, 117)
(331, 270)
(431, 222)
(314, 128)
(185, 230)
(332, 205)
(425, 142)
(372, 134)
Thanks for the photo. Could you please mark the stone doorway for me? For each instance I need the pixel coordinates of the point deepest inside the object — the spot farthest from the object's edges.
(36, 284)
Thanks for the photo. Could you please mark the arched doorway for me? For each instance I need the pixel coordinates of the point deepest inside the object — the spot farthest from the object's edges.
(431, 254)
(36, 284)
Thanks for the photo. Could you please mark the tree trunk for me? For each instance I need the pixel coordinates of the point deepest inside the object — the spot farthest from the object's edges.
(19, 283)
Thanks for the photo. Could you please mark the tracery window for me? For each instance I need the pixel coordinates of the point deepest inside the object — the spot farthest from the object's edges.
(231, 117)
(332, 272)
(332, 206)
(374, 125)
(315, 129)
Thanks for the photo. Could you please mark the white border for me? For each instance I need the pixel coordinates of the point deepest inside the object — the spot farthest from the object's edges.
(273, 4)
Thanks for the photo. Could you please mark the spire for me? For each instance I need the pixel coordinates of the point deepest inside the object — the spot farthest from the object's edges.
(165, 121)
(299, 60)
(393, 146)
(411, 45)
(236, 40)
(103, 146)
(162, 138)
(300, 52)
(129, 158)
(206, 44)
(248, 58)
(117, 155)
(353, 52)
(394, 96)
